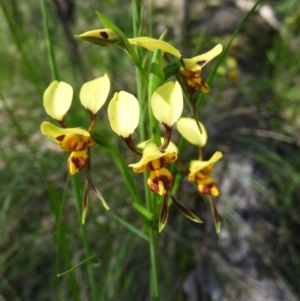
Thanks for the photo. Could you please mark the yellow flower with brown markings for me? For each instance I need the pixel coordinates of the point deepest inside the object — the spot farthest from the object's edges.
(199, 171)
(160, 179)
(75, 140)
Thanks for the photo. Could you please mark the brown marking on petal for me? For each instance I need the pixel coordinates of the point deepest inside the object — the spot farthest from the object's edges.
(201, 63)
(104, 35)
(206, 189)
(60, 138)
(79, 162)
(167, 182)
(156, 164)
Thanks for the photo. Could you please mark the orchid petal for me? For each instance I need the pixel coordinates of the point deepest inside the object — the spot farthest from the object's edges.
(197, 165)
(53, 131)
(152, 44)
(197, 62)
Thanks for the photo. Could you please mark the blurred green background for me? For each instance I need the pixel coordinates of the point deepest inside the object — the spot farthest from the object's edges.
(251, 115)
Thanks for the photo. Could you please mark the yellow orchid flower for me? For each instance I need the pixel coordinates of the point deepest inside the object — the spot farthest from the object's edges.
(75, 140)
(191, 68)
(160, 179)
(57, 101)
(199, 171)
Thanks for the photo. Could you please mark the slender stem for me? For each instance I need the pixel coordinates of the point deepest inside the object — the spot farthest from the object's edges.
(150, 199)
(78, 202)
(153, 259)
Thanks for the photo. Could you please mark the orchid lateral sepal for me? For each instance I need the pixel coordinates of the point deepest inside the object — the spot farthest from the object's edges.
(164, 213)
(97, 192)
(185, 211)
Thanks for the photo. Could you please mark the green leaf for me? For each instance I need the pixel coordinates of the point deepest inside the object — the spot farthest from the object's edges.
(77, 266)
(143, 211)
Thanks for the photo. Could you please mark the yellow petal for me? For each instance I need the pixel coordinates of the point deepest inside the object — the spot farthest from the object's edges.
(187, 127)
(103, 37)
(53, 131)
(57, 99)
(197, 62)
(197, 165)
(152, 44)
(151, 152)
(123, 114)
(167, 103)
(93, 94)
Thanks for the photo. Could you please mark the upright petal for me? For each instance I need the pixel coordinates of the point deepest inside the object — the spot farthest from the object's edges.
(167, 103)
(93, 94)
(188, 128)
(123, 114)
(197, 62)
(57, 99)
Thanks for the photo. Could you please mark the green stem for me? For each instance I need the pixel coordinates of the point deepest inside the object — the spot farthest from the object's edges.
(153, 260)
(78, 201)
(150, 199)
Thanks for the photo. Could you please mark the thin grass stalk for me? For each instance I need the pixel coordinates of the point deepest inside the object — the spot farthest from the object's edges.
(50, 53)
(78, 202)
(14, 30)
(61, 243)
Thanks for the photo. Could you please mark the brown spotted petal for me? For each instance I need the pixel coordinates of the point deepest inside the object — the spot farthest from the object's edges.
(75, 142)
(160, 179)
(186, 212)
(77, 161)
(164, 212)
(206, 185)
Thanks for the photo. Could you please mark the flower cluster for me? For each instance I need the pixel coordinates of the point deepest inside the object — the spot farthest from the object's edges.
(165, 106)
